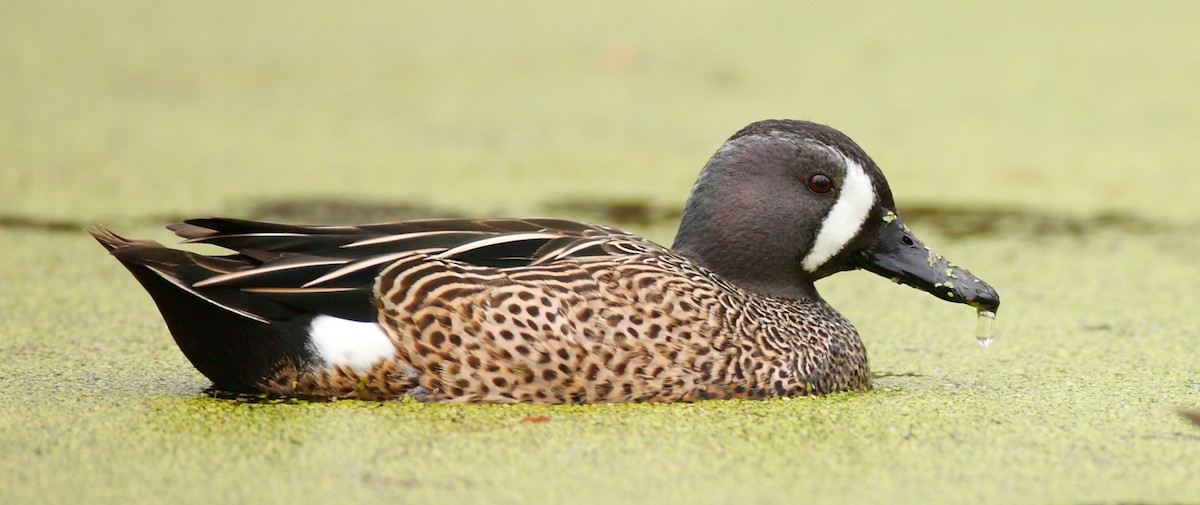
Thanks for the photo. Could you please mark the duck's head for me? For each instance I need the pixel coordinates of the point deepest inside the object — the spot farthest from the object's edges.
(784, 203)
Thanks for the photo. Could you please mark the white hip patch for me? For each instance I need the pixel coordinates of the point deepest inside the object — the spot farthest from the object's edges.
(846, 217)
(354, 344)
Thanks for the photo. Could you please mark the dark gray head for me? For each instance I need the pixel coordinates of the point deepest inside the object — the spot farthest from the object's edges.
(784, 203)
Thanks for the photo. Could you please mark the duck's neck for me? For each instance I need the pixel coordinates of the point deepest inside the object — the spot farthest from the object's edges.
(750, 264)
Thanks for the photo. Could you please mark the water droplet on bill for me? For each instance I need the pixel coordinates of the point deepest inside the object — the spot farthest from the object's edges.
(985, 328)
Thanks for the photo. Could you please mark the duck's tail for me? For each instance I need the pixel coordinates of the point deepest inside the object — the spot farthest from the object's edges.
(235, 338)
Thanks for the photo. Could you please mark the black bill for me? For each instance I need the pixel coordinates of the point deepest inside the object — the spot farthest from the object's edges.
(898, 255)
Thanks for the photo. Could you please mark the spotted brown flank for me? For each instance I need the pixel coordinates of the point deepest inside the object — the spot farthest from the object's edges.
(545, 310)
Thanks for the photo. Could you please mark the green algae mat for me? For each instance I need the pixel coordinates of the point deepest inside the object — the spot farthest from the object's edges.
(1047, 147)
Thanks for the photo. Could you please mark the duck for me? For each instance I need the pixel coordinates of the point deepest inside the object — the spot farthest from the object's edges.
(552, 311)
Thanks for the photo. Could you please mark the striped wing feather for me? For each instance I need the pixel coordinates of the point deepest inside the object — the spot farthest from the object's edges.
(331, 269)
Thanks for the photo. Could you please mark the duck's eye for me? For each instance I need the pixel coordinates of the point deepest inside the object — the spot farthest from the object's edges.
(820, 183)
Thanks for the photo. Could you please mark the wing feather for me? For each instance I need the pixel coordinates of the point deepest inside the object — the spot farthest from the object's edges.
(332, 269)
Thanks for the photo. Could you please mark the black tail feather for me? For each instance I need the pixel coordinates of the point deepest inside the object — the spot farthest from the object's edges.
(234, 348)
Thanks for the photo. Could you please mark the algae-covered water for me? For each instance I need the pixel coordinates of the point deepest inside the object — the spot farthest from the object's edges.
(1049, 148)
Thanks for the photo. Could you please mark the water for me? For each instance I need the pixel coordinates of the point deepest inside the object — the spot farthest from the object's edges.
(985, 328)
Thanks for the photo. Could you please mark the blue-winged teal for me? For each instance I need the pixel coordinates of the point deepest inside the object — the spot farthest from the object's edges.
(553, 311)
